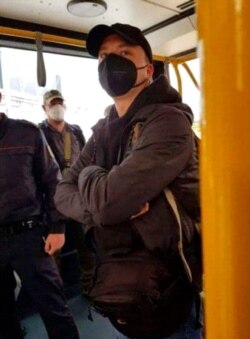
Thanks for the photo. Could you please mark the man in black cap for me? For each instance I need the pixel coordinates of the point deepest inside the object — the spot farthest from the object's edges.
(117, 189)
(31, 230)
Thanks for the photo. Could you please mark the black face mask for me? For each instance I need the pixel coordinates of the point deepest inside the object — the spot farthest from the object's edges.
(117, 75)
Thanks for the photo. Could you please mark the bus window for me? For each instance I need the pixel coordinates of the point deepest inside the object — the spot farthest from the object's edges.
(76, 77)
(190, 94)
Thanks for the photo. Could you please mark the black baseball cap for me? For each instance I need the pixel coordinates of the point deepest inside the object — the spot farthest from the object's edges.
(130, 34)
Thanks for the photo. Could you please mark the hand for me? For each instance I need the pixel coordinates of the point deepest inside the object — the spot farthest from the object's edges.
(54, 242)
(144, 209)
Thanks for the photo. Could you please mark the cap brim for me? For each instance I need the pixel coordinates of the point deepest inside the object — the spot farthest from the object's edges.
(54, 97)
(98, 34)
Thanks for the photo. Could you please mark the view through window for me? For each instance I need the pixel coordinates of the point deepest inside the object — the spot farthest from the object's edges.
(76, 78)
(190, 94)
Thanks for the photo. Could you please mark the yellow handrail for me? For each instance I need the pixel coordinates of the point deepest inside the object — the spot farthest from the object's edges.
(178, 77)
(21, 33)
(190, 73)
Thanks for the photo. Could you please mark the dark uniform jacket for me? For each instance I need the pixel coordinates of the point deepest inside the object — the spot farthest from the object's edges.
(117, 172)
(56, 141)
(28, 175)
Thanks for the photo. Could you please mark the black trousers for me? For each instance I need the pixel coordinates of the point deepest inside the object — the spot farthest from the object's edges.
(9, 324)
(85, 260)
(25, 254)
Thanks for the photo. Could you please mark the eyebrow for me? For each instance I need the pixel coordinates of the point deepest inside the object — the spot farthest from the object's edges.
(122, 44)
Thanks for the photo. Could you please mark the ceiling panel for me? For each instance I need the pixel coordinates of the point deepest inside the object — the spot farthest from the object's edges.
(142, 13)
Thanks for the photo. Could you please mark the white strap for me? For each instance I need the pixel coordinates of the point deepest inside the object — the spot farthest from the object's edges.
(171, 199)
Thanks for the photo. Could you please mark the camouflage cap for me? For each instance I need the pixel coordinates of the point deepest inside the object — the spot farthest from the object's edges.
(50, 95)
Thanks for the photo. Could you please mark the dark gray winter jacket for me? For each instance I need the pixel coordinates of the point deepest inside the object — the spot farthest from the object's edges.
(115, 175)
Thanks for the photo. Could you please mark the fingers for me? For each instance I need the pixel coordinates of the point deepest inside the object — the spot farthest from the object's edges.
(53, 243)
(48, 248)
(144, 209)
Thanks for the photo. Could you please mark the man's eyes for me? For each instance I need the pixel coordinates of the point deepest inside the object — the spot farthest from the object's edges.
(123, 53)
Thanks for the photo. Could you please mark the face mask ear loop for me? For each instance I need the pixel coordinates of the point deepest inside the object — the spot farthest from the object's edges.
(142, 82)
(141, 67)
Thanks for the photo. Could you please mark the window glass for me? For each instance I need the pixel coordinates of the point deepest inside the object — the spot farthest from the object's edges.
(190, 94)
(75, 77)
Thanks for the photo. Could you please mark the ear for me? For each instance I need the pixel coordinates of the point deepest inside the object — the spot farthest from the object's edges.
(150, 70)
(44, 108)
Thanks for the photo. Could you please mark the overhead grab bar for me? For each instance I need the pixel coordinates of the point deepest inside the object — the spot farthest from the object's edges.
(41, 71)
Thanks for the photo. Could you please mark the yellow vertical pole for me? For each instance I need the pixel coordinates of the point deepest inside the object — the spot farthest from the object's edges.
(224, 48)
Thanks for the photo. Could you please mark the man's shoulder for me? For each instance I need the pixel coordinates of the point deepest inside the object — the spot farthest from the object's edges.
(161, 112)
(74, 127)
(22, 123)
(43, 124)
(77, 131)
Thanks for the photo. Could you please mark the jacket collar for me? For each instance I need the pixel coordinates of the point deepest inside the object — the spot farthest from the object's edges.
(3, 124)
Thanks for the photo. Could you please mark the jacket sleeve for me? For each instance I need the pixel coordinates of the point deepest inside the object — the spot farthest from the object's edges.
(79, 135)
(48, 174)
(159, 155)
(67, 198)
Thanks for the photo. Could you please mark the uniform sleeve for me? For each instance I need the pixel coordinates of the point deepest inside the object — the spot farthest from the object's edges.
(48, 174)
(160, 154)
(67, 198)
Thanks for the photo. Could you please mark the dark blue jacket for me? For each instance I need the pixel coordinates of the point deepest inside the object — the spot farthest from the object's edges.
(28, 175)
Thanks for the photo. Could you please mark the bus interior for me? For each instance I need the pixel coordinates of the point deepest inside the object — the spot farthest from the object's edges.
(204, 50)
(171, 32)
(56, 30)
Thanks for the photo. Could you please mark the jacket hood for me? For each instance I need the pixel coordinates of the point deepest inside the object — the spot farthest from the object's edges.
(161, 92)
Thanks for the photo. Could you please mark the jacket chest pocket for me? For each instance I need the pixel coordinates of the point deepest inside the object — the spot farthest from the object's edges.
(16, 162)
